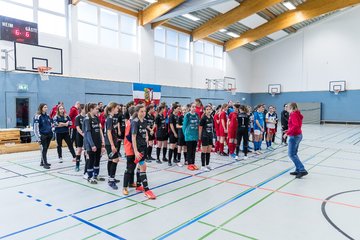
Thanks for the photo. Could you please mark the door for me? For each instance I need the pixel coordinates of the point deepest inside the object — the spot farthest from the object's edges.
(20, 109)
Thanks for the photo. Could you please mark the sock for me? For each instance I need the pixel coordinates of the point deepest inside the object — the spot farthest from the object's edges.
(164, 152)
(109, 164)
(158, 150)
(175, 154)
(232, 148)
(203, 159)
(185, 156)
(221, 147)
(78, 160)
(113, 171)
(150, 148)
(144, 181)
(270, 143)
(237, 150)
(207, 159)
(171, 151)
(179, 157)
(138, 180)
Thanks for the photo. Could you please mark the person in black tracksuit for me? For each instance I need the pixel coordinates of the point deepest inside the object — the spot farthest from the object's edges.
(206, 132)
(181, 137)
(161, 134)
(121, 127)
(243, 131)
(284, 124)
(173, 136)
(43, 132)
(62, 123)
(150, 120)
(79, 139)
(93, 141)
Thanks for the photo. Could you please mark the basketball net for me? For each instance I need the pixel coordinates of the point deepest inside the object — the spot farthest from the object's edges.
(232, 90)
(273, 94)
(44, 72)
(336, 91)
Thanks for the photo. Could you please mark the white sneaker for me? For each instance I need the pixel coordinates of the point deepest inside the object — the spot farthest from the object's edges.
(85, 176)
(209, 167)
(179, 164)
(236, 158)
(204, 169)
(245, 157)
(60, 160)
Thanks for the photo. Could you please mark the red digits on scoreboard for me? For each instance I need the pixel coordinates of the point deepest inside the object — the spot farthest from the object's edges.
(27, 34)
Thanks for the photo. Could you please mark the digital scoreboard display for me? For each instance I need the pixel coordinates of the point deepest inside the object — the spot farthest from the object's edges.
(16, 30)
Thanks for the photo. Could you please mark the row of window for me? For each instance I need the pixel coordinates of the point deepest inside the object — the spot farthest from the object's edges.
(97, 25)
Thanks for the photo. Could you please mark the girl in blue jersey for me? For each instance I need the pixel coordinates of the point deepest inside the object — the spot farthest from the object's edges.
(259, 123)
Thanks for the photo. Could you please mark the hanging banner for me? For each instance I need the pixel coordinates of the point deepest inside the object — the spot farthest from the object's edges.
(146, 93)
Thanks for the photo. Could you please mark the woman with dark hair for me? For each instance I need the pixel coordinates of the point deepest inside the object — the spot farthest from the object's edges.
(43, 132)
(62, 123)
(161, 134)
(295, 136)
(79, 120)
(150, 120)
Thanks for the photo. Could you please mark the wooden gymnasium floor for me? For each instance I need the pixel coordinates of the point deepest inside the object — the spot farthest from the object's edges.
(252, 199)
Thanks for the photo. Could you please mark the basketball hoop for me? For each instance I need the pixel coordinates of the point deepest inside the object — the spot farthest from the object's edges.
(44, 72)
(232, 90)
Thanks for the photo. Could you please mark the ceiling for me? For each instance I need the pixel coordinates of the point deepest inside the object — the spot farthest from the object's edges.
(239, 28)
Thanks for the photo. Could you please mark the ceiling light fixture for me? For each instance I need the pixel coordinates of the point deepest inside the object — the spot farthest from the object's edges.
(232, 34)
(191, 17)
(289, 5)
(151, 1)
(254, 44)
(222, 30)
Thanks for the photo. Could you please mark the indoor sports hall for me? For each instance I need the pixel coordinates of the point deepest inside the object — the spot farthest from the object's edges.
(179, 119)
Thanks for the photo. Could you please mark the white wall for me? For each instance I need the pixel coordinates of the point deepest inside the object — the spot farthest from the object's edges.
(308, 60)
(238, 65)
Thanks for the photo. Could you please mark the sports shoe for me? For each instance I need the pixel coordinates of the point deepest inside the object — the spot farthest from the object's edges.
(204, 169)
(245, 157)
(165, 159)
(140, 189)
(100, 179)
(116, 180)
(60, 160)
(151, 158)
(195, 167)
(85, 176)
(159, 161)
(236, 157)
(132, 185)
(210, 167)
(169, 164)
(233, 155)
(77, 169)
(125, 191)
(294, 173)
(190, 167)
(179, 164)
(150, 195)
(46, 166)
(301, 174)
(92, 181)
(113, 185)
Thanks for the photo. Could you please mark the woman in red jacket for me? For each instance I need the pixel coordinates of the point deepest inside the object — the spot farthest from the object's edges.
(295, 136)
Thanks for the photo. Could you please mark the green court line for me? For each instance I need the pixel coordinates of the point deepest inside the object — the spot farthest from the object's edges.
(227, 200)
(117, 210)
(227, 230)
(62, 230)
(259, 201)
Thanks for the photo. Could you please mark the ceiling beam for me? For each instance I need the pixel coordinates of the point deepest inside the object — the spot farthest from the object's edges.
(270, 15)
(246, 8)
(159, 23)
(305, 11)
(114, 7)
(157, 9)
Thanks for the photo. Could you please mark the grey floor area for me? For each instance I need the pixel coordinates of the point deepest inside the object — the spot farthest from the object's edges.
(251, 199)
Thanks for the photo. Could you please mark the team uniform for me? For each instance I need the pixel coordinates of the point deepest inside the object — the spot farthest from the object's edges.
(216, 127)
(161, 135)
(232, 129)
(173, 139)
(181, 137)
(92, 138)
(207, 132)
(111, 125)
(191, 132)
(62, 133)
(271, 126)
(258, 116)
(150, 121)
(74, 112)
(79, 139)
(130, 156)
(243, 132)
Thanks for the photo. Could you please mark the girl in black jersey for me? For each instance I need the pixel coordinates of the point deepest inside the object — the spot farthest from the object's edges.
(173, 133)
(150, 120)
(139, 141)
(93, 140)
(121, 126)
(110, 142)
(161, 134)
(181, 137)
(243, 131)
(79, 138)
(206, 133)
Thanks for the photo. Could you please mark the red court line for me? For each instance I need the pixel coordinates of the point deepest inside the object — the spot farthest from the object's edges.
(262, 188)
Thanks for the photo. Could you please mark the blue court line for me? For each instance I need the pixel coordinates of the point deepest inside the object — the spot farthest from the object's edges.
(228, 202)
(100, 205)
(39, 200)
(98, 228)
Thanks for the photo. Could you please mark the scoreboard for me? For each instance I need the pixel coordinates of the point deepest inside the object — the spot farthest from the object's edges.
(16, 30)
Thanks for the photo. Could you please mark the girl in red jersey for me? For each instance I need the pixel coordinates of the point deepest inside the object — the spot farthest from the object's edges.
(222, 128)
(199, 109)
(216, 127)
(232, 129)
